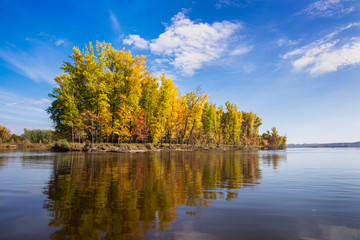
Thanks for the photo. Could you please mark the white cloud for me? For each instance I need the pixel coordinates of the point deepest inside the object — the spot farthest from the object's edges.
(168, 74)
(329, 8)
(59, 42)
(189, 45)
(138, 41)
(327, 54)
(161, 61)
(241, 50)
(285, 42)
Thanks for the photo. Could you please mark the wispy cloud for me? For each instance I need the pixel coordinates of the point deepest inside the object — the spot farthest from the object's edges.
(137, 41)
(329, 8)
(40, 62)
(222, 3)
(188, 45)
(114, 21)
(10, 99)
(59, 42)
(50, 38)
(285, 42)
(18, 112)
(28, 65)
(42, 101)
(231, 3)
(13, 103)
(241, 50)
(328, 54)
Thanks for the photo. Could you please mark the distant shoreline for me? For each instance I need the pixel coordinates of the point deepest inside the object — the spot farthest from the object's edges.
(325, 145)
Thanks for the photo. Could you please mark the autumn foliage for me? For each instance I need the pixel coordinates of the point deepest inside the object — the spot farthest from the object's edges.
(108, 95)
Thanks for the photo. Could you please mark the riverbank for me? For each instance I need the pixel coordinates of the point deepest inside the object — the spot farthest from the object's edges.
(27, 146)
(63, 146)
(121, 148)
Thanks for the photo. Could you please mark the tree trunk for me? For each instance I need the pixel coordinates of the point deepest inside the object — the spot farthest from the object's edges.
(170, 132)
(97, 123)
(191, 131)
(72, 134)
(161, 138)
(112, 123)
(92, 130)
(183, 137)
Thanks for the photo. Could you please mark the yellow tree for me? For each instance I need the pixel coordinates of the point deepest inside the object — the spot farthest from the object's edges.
(124, 74)
(231, 121)
(173, 117)
(192, 115)
(4, 134)
(94, 73)
(134, 72)
(164, 103)
(114, 78)
(250, 128)
(149, 102)
(218, 125)
(210, 122)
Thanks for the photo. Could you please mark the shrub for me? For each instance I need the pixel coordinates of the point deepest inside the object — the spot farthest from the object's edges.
(61, 146)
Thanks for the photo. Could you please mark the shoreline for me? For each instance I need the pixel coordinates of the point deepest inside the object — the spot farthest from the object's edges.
(135, 148)
(125, 148)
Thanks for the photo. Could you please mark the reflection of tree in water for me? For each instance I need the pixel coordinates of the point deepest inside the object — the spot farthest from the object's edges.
(122, 196)
(273, 159)
(3, 162)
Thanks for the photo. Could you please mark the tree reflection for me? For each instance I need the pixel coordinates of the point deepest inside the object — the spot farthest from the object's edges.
(273, 159)
(122, 196)
(3, 162)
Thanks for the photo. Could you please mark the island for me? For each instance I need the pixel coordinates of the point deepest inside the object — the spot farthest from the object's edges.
(108, 100)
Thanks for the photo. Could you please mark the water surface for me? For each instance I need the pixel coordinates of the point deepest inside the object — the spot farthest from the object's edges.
(291, 194)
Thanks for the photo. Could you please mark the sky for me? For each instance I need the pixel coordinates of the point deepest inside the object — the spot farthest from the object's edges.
(296, 64)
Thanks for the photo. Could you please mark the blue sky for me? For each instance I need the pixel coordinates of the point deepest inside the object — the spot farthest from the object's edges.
(294, 63)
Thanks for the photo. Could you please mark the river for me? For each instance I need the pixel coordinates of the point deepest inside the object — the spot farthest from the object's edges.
(287, 194)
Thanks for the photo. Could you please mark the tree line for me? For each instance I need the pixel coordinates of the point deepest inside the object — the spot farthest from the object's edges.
(109, 95)
(29, 136)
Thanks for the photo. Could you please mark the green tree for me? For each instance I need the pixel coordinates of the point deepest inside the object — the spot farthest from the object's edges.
(38, 135)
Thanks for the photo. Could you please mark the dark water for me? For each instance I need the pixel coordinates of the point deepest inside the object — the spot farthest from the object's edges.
(292, 194)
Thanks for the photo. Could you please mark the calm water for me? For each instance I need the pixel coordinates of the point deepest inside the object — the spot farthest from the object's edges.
(292, 194)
